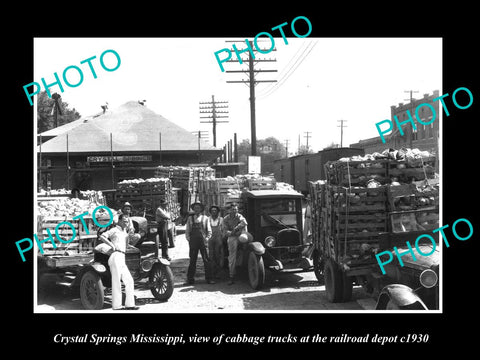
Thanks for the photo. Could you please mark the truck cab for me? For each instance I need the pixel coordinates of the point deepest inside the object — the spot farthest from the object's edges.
(275, 220)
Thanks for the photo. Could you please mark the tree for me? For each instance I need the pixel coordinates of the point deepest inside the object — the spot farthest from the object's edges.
(332, 145)
(45, 118)
(269, 149)
(303, 150)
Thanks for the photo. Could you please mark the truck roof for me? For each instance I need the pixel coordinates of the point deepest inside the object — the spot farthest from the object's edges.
(272, 194)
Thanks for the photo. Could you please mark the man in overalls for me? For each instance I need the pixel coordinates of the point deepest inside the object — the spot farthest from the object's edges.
(215, 244)
(197, 233)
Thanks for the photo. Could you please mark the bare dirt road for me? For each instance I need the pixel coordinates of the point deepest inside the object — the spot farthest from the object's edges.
(287, 292)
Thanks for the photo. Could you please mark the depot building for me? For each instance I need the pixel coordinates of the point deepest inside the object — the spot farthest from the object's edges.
(96, 152)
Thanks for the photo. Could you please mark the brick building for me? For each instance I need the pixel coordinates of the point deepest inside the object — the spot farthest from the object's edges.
(424, 137)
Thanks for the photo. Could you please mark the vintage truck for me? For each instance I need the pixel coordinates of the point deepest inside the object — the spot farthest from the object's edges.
(274, 217)
(77, 267)
(361, 210)
(275, 220)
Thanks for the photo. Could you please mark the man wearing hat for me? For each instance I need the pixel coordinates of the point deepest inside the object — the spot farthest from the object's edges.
(215, 244)
(162, 217)
(234, 223)
(197, 232)
(126, 210)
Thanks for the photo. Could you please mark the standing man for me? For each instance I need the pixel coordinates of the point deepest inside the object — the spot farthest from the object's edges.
(233, 224)
(197, 233)
(117, 239)
(307, 224)
(215, 244)
(130, 229)
(162, 216)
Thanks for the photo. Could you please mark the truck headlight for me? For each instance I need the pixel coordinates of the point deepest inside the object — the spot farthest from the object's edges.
(270, 241)
(152, 230)
(428, 278)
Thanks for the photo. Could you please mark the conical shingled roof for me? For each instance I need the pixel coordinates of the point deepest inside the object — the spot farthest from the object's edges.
(133, 126)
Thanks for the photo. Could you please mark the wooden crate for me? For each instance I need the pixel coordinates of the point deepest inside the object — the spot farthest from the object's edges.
(356, 173)
(359, 200)
(222, 186)
(411, 197)
(82, 241)
(260, 184)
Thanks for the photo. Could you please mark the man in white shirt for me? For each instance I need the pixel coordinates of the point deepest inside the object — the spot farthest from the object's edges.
(117, 238)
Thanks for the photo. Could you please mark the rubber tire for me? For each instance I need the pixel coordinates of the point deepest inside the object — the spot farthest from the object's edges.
(333, 281)
(318, 266)
(88, 279)
(165, 273)
(256, 270)
(347, 287)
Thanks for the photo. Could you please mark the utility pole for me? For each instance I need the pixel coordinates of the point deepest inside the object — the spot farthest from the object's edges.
(252, 82)
(307, 136)
(211, 108)
(201, 135)
(286, 148)
(411, 111)
(341, 126)
(235, 148)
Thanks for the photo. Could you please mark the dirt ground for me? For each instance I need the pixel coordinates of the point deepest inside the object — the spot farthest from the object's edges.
(287, 292)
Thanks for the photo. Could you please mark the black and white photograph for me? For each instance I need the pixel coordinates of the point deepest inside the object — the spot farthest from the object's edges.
(227, 207)
(285, 184)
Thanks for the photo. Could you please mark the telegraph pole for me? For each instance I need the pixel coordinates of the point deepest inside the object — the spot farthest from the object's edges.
(211, 108)
(286, 148)
(411, 112)
(307, 136)
(251, 82)
(341, 126)
(201, 135)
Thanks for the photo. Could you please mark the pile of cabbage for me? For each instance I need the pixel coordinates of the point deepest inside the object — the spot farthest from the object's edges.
(68, 208)
(409, 155)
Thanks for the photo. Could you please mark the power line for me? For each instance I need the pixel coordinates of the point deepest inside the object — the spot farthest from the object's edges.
(251, 84)
(289, 66)
(285, 69)
(288, 74)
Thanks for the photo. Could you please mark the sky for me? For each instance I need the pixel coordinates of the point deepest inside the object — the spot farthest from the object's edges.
(320, 81)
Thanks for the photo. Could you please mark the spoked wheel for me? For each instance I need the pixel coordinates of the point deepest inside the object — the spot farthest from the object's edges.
(161, 280)
(256, 270)
(92, 292)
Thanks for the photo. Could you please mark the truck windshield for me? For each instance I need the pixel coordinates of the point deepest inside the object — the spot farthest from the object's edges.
(278, 206)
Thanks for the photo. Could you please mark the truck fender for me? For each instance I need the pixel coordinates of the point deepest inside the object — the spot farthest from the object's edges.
(401, 295)
(96, 266)
(256, 247)
(163, 261)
